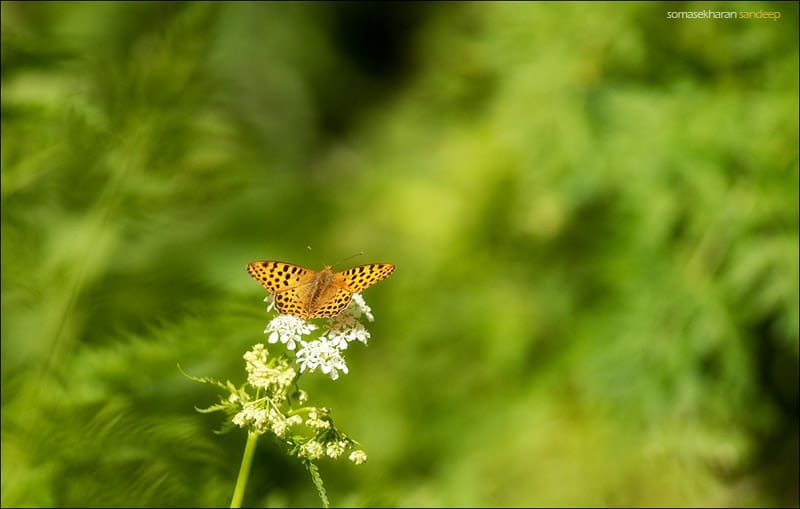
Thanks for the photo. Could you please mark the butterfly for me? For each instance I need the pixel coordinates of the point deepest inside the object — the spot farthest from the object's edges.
(307, 293)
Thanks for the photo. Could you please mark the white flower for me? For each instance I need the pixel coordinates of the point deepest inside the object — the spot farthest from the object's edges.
(346, 328)
(311, 449)
(335, 449)
(256, 358)
(240, 419)
(260, 420)
(314, 421)
(251, 416)
(260, 374)
(358, 306)
(256, 365)
(321, 353)
(288, 329)
(278, 422)
(358, 457)
(270, 301)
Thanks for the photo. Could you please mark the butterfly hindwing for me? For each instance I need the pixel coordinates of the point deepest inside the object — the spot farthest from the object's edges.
(332, 302)
(363, 276)
(279, 276)
(290, 302)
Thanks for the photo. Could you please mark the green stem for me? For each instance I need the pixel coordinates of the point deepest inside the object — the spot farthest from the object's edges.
(244, 470)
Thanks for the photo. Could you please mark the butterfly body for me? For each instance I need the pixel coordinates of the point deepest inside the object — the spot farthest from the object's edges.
(319, 286)
(307, 293)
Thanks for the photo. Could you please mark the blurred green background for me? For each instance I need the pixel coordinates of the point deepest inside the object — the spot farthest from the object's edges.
(593, 210)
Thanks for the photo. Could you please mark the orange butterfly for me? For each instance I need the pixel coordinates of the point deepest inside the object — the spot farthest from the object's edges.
(306, 293)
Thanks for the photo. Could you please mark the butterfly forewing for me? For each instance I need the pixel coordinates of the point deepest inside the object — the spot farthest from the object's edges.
(279, 276)
(362, 277)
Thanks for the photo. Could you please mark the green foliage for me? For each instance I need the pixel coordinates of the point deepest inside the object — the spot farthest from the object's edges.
(593, 211)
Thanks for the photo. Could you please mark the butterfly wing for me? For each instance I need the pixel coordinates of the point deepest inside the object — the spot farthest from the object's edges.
(292, 302)
(363, 276)
(279, 276)
(339, 292)
(332, 302)
(289, 283)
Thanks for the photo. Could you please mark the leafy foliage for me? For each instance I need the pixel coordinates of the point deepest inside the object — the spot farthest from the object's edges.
(593, 211)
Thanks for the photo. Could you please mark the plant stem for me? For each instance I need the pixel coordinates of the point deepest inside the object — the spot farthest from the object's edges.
(244, 470)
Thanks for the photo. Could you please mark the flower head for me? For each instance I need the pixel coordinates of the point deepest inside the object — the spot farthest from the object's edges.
(252, 415)
(312, 450)
(358, 306)
(278, 422)
(321, 353)
(315, 421)
(260, 374)
(288, 329)
(358, 457)
(346, 328)
(335, 449)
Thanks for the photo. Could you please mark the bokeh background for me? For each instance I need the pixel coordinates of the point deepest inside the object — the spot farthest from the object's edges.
(593, 210)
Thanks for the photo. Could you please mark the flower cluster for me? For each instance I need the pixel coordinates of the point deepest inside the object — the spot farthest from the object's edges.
(324, 352)
(275, 378)
(270, 402)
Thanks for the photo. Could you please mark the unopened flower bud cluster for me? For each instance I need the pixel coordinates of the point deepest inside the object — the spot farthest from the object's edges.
(277, 408)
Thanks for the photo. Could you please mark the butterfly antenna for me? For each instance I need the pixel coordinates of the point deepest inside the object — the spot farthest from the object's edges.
(349, 257)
